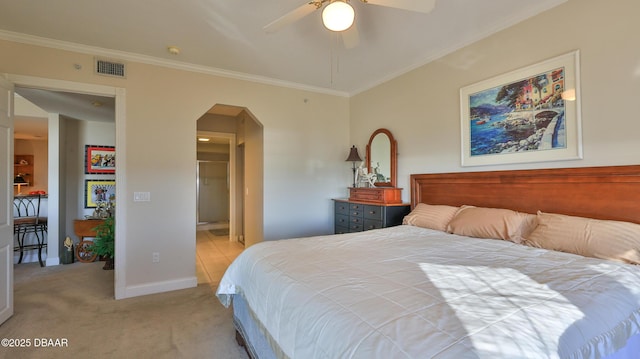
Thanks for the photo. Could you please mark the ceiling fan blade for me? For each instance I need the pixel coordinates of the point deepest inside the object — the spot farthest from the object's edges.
(350, 37)
(424, 6)
(290, 17)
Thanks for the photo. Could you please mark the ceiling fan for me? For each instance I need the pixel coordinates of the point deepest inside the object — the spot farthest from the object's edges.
(335, 9)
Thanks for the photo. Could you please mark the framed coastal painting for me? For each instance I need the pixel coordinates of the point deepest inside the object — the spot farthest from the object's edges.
(96, 191)
(528, 115)
(100, 159)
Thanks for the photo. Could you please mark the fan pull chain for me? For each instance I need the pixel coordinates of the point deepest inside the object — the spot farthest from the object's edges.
(331, 60)
(335, 58)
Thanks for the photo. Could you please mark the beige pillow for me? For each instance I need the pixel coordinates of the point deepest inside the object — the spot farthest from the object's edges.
(589, 237)
(430, 216)
(529, 223)
(483, 222)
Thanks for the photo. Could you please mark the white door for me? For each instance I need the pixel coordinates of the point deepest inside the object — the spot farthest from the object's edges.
(6, 200)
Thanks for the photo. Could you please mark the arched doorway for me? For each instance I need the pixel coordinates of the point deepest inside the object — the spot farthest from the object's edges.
(229, 174)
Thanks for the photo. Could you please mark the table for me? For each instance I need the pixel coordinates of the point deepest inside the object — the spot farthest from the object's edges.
(83, 228)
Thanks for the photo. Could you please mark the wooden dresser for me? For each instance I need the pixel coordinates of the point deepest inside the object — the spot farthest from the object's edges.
(358, 216)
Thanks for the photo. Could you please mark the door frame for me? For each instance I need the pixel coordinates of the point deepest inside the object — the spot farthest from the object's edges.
(119, 94)
(6, 201)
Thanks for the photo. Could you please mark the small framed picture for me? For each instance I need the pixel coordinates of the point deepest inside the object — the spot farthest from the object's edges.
(96, 191)
(100, 159)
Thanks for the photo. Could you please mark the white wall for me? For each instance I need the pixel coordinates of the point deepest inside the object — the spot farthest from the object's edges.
(422, 108)
(305, 143)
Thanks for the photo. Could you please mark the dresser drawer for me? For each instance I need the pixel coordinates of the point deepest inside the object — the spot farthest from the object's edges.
(382, 195)
(372, 224)
(367, 194)
(342, 208)
(342, 220)
(373, 212)
(356, 227)
(341, 230)
(356, 220)
(356, 210)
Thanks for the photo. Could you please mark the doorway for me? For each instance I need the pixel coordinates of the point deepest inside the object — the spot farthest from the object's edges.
(57, 211)
(216, 186)
(245, 155)
(213, 196)
(216, 182)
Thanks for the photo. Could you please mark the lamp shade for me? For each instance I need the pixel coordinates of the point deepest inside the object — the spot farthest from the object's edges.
(338, 16)
(19, 179)
(353, 155)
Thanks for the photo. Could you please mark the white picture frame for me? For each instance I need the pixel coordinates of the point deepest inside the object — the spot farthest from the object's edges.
(510, 118)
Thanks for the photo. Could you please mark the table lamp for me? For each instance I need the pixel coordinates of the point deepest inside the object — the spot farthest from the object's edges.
(19, 181)
(353, 158)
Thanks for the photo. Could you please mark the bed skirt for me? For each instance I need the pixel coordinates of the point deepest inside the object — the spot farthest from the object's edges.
(255, 342)
(630, 351)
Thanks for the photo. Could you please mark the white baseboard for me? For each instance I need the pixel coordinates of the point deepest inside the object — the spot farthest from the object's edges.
(159, 287)
(52, 261)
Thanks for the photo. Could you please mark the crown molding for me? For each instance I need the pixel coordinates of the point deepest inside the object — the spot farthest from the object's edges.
(150, 60)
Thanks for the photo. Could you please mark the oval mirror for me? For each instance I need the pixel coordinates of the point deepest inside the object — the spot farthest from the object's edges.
(381, 157)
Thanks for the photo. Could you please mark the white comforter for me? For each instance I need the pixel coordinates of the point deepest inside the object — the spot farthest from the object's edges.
(409, 292)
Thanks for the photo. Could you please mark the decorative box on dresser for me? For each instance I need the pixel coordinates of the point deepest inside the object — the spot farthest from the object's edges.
(369, 208)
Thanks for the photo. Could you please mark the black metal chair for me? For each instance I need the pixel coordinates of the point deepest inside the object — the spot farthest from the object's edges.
(27, 219)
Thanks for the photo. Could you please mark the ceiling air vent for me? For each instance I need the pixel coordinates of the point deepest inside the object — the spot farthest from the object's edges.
(110, 68)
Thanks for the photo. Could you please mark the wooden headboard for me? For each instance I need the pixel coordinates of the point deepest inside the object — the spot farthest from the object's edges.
(611, 192)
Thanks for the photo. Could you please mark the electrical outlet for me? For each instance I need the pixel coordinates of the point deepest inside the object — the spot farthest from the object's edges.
(155, 257)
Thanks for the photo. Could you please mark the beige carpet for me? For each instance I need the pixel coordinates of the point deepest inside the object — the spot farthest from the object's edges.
(75, 302)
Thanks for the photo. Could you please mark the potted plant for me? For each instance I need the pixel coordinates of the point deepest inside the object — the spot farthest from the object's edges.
(104, 242)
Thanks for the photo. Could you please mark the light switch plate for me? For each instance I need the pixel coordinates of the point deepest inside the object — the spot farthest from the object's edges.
(142, 196)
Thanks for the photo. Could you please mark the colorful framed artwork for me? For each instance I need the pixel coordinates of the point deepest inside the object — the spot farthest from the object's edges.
(528, 115)
(100, 159)
(96, 191)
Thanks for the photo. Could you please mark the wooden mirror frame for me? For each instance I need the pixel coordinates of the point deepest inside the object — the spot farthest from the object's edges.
(393, 156)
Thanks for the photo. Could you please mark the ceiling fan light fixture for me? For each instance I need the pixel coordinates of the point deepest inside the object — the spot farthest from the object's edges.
(338, 16)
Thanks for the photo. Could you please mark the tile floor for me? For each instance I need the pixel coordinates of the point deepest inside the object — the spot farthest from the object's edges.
(213, 256)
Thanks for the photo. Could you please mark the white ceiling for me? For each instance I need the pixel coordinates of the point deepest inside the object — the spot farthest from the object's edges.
(34, 105)
(227, 37)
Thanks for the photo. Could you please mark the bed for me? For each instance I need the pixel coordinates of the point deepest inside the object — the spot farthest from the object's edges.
(469, 275)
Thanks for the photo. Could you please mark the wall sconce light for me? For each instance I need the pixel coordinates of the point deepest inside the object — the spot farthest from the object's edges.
(353, 158)
(569, 95)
